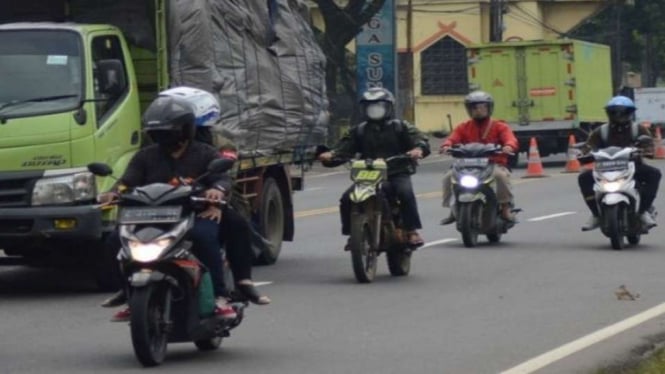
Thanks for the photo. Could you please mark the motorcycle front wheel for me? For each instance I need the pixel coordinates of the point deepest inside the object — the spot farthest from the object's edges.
(612, 215)
(465, 222)
(363, 250)
(148, 324)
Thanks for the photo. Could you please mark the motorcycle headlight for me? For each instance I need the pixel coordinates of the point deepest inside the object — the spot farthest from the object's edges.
(612, 186)
(469, 181)
(64, 189)
(147, 252)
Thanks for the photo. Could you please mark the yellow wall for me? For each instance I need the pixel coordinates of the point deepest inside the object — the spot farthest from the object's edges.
(468, 23)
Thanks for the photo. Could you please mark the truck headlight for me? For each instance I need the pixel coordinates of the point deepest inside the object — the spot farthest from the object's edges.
(64, 189)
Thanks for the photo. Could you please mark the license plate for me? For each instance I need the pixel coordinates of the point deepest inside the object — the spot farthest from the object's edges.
(611, 165)
(473, 162)
(138, 215)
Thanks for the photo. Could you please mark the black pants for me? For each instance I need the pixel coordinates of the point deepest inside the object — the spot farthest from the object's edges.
(235, 236)
(398, 186)
(647, 178)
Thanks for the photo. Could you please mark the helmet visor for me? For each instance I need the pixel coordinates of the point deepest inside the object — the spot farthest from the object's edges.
(376, 111)
(166, 138)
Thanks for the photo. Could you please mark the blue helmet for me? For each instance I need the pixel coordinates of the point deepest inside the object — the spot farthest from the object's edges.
(620, 110)
(621, 101)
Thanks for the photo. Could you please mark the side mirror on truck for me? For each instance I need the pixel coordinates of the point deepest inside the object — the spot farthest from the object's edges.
(112, 78)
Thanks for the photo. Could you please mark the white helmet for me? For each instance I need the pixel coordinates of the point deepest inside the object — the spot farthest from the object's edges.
(204, 104)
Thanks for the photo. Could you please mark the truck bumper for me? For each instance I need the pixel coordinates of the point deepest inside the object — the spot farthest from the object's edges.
(37, 223)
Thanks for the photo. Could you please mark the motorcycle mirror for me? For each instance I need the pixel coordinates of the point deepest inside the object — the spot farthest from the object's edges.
(644, 139)
(440, 134)
(220, 165)
(100, 169)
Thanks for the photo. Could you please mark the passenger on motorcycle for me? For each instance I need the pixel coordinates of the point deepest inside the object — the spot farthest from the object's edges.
(481, 128)
(169, 123)
(620, 131)
(382, 135)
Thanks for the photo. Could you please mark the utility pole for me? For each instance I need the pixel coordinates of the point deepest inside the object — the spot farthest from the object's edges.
(618, 54)
(409, 110)
(496, 20)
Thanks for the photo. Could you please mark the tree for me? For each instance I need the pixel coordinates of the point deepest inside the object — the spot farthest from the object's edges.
(342, 23)
(635, 32)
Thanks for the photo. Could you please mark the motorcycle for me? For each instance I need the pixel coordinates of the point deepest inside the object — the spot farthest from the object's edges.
(616, 191)
(169, 290)
(475, 206)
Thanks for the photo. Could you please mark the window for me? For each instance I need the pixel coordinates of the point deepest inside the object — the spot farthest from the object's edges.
(443, 68)
(105, 47)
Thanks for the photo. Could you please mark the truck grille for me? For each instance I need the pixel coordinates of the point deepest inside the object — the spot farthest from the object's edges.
(16, 187)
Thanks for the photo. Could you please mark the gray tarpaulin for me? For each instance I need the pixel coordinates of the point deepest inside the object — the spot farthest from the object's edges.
(260, 57)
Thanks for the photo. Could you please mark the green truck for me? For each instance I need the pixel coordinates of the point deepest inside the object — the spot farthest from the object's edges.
(544, 89)
(75, 77)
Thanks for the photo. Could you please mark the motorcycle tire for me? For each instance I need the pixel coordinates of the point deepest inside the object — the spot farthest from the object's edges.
(465, 223)
(363, 254)
(208, 344)
(399, 262)
(634, 239)
(149, 338)
(612, 216)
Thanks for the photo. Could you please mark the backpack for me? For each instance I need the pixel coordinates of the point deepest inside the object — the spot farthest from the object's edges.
(605, 132)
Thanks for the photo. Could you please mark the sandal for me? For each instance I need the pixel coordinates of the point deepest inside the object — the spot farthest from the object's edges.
(252, 294)
(415, 240)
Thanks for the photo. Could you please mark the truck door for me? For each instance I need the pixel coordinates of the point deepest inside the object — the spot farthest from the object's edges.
(117, 114)
(545, 93)
(493, 70)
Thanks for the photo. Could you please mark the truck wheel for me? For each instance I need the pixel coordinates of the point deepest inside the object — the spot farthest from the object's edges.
(271, 218)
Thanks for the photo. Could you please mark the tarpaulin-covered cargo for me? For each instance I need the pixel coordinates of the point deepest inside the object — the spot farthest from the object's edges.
(260, 57)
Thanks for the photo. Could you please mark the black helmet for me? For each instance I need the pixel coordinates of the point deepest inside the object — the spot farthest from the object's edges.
(620, 110)
(478, 97)
(169, 122)
(377, 104)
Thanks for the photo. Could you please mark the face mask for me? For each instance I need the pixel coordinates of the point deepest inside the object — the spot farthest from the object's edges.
(167, 140)
(376, 111)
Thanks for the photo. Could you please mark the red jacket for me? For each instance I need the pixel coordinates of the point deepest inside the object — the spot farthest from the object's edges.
(470, 132)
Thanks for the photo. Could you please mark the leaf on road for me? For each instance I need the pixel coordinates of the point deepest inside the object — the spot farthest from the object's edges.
(622, 293)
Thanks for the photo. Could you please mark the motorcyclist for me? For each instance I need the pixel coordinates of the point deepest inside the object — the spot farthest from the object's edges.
(481, 128)
(381, 135)
(621, 131)
(169, 123)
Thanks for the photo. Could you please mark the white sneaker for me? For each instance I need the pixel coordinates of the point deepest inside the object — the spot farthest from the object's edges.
(592, 224)
(647, 220)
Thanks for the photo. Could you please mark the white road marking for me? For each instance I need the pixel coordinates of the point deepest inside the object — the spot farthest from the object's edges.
(314, 189)
(431, 244)
(259, 284)
(554, 355)
(542, 218)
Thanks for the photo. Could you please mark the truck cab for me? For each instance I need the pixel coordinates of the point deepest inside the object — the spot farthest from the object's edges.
(68, 98)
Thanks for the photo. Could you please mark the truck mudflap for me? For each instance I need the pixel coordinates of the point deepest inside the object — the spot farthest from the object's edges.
(63, 222)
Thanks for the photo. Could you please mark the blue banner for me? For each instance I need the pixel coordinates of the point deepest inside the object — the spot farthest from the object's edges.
(376, 62)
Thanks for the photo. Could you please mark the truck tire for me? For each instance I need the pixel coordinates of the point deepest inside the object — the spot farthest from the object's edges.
(271, 219)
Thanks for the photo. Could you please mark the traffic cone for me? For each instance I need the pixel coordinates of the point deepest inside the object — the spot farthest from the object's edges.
(660, 148)
(573, 164)
(534, 165)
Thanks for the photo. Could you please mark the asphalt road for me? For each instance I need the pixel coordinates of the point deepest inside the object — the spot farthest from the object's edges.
(481, 310)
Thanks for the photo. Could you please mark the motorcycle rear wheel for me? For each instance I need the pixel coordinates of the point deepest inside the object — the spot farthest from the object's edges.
(399, 262)
(363, 253)
(149, 336)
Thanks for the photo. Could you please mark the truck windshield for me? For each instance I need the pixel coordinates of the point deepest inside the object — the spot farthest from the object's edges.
(41, 72)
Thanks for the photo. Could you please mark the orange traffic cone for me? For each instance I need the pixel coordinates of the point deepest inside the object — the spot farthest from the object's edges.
(573, 164)
(534, 165)
(658, 143)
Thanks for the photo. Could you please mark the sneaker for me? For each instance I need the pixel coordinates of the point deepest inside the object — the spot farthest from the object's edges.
(117, 299)
(592, 224)
(448, 220)
(122, 315)
(647, 220)
(224, 309)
